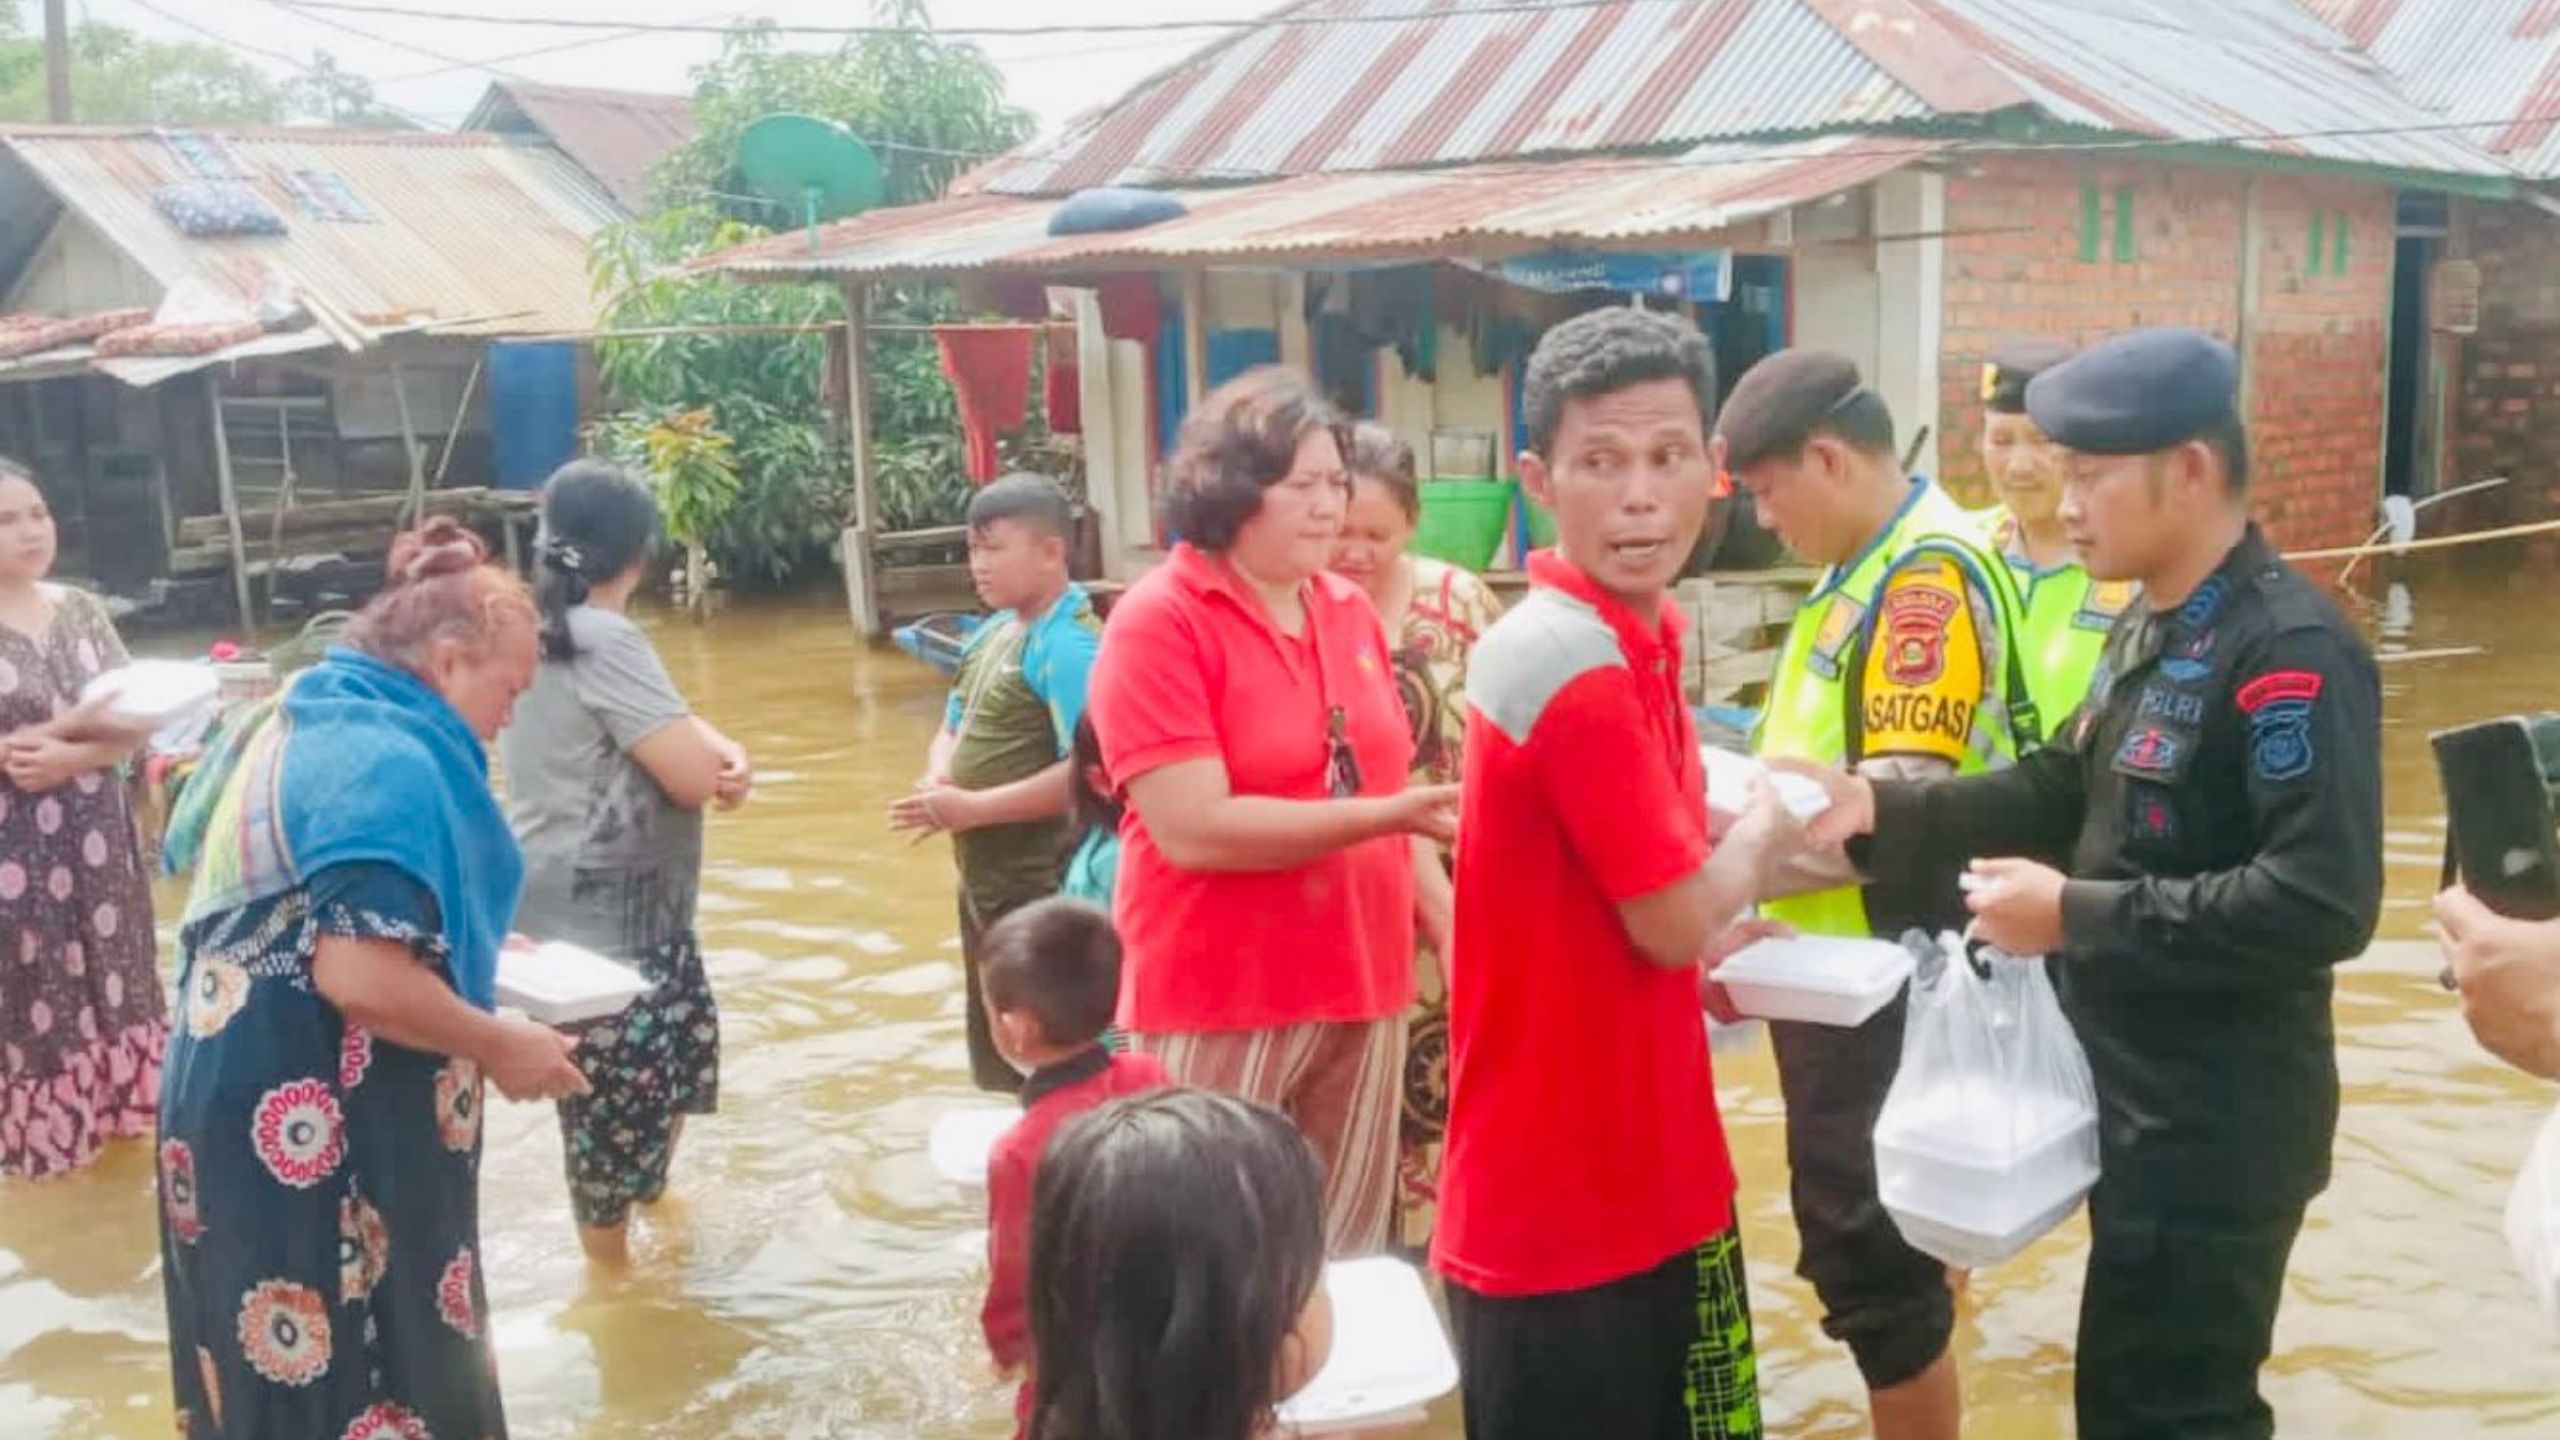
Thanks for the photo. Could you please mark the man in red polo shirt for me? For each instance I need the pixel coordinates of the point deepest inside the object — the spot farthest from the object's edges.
(1586, 1208)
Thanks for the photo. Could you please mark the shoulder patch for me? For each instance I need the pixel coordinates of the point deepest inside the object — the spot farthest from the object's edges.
(2278, 705)
(1546, 642)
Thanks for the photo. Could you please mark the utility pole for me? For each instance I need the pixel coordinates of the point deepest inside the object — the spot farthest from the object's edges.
(57, 61)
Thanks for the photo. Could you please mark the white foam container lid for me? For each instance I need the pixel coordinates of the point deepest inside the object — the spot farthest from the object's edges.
(155, 692)
(562, 984)
(1390, 1355)
(1968, 1248)
(961, 1141)
(1729, 777)
(1822, 979)
(1949, 1162)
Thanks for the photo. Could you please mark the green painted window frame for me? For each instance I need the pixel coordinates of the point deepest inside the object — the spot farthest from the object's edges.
(2319, 239)
(2091, 208)
(2338, 245)
(2124, 222)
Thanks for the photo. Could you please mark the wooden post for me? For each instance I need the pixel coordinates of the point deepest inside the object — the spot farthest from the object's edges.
(416, 509)
(1195, 336)
(230, 506)
(861, 580)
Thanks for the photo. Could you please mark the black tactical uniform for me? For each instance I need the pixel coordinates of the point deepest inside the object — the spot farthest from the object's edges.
(2217, 804)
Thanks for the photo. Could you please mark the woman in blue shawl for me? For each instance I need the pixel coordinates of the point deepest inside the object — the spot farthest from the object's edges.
(320, 1106)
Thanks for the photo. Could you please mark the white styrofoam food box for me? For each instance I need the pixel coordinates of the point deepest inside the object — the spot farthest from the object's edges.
(2533, 1218)
(1390, 1356)
(1821, 979)
(562, 984)
(962, 1140)
(155, 692)
(1973, 1178)
(1729, 777)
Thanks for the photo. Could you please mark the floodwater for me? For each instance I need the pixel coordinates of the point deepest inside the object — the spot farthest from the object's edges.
(812, 1278)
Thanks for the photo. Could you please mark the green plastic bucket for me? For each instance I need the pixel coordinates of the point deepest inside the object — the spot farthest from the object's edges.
(1542, 523)
(1463, 520)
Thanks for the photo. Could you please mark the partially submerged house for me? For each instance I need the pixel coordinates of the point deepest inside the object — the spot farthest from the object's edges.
(313, 328)
(1400, 202)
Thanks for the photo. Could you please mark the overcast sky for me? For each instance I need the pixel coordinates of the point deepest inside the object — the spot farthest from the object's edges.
(1053, 76)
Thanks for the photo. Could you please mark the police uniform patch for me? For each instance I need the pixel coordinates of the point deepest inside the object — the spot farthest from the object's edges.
(1914, 633)
(2190, 660)
(2206, 603)
(2149, 813)
(2151, 750)
(2105, 601)
(2278, 705)
(1839, 626)
(2178, 707)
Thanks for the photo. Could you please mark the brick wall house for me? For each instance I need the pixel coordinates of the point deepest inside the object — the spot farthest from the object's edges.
(2296, 270)
(2506, 415)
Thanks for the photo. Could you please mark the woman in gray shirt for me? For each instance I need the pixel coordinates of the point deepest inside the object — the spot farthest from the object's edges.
(608, 770)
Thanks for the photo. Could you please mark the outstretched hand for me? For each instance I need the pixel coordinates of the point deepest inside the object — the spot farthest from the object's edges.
(1852, 811)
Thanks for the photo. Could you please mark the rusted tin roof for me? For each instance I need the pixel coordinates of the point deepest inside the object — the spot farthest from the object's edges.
(478, 234)
(617, 136)
(2477, 60)
(1459, 83)
(1479, 211)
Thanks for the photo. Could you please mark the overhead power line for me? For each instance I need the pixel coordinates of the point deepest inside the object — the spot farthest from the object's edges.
(296, 63)
(1095, 27)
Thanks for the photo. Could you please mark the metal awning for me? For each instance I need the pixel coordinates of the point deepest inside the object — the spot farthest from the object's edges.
(1478, 211)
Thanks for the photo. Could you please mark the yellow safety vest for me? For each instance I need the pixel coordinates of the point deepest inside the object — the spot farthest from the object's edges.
(2067, 619)
(1813, 699)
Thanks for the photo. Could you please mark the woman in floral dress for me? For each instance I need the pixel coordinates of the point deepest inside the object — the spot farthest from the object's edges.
(81, 1013)
(320, 1114)
(1433, 611)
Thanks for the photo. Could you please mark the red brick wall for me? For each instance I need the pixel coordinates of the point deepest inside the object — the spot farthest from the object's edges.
(2506, 412)
(2014, 271)
(2319, 347)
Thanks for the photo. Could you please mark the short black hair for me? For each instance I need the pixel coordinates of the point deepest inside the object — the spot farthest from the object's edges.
(1093, 809)
(2230, 439)
(1602, 352)
(1059, 959)
(1781, 404)
(1240, 440)
(1033, 500)
(12, 470)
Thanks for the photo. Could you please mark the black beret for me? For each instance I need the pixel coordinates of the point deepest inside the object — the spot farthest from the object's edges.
(2006, 373)
(2137, 392)
(1779, 403)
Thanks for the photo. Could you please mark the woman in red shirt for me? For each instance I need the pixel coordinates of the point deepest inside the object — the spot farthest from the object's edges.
(1269, 893)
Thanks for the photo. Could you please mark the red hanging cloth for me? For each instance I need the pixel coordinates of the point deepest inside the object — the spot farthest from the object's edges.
(1061, 394)
(990, 372)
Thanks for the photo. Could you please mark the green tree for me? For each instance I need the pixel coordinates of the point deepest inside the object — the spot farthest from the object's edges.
(328, 95)
(766, 393)
(119, 77)
(927, 106)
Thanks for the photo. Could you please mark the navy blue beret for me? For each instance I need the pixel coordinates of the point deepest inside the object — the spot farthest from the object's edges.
(2137, 392)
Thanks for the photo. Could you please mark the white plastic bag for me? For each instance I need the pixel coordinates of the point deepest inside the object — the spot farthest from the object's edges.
(1989, 1137)
(2533, 1218)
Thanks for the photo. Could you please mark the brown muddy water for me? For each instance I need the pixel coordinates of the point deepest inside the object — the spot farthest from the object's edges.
(812, 1278)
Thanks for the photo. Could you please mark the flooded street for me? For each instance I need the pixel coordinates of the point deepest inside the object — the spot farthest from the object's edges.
(812, 1278)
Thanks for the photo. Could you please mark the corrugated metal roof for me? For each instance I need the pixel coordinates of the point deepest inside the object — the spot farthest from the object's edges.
(2257, 72)
(2478, 60)
(617, 136)
(1458, 85)
(1477, 211)
(469, 228)
(1461, 84)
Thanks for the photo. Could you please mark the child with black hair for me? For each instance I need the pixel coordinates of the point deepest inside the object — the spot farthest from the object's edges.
(1093, 870)
(1052, 978)
(1177, 1271)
